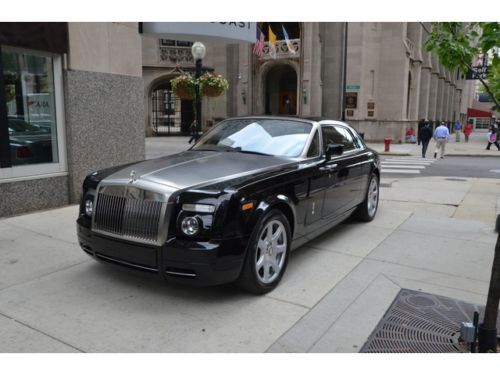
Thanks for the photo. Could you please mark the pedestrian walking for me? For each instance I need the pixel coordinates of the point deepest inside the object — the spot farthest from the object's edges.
(194, 132)
(425, 135)
(468, 130)
(457, 127)
(492, 136)
(421, 124)
(441, 136)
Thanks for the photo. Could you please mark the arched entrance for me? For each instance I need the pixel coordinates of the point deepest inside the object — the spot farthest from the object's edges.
(169, 114)
(281, 90)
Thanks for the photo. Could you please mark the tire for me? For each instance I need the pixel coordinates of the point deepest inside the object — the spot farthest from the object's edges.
(266, 258)
(367, 210)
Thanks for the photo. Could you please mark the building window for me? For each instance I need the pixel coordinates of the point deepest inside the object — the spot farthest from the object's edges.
(34, 120)
(482, 122)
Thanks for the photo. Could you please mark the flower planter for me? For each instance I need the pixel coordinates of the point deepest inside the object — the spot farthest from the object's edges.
(184, 93)
(212, 91)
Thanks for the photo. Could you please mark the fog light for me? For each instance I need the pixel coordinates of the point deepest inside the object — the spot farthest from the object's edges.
(88, 207)
(190, 226)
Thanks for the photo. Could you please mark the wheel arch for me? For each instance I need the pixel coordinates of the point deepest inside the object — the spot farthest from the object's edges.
(279, 202)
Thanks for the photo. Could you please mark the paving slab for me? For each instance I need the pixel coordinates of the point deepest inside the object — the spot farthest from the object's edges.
(355, 239)
(468, 230)
(388, 218)
(97, 308)
(351, 330)
(437, 254)
(442, 193)
(58, 224)
(19, 338)
(311, 274)
(26, 255)
(428, 209)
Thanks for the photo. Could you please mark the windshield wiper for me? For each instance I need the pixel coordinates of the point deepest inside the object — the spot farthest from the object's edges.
(251, 152)
(231, 149)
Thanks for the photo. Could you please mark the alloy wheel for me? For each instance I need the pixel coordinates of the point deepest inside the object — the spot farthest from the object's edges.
(271, 251)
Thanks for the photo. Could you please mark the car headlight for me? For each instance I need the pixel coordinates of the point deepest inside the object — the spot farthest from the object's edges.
(190, 226)
(88, 207)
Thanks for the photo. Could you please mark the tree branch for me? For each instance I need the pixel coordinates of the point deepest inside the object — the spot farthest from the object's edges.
(483, 82)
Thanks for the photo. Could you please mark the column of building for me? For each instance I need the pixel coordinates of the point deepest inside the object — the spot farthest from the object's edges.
(414, 33)
(433, 92)
(425, 85)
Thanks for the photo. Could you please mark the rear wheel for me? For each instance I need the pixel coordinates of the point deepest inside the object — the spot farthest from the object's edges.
(267, 254)
(367, 210)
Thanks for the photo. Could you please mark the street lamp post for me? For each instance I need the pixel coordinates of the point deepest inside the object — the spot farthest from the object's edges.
(198, 51)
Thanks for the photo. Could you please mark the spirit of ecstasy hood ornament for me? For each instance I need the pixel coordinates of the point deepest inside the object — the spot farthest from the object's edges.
(133, 176)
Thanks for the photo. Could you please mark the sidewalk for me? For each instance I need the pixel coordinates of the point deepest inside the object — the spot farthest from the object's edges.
(475, 147)
(438, 239)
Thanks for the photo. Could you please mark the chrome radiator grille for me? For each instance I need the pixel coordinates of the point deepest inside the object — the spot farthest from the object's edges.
(130, 213)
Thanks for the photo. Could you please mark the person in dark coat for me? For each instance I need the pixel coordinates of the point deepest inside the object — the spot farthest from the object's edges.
(425, 135)
(194, 132)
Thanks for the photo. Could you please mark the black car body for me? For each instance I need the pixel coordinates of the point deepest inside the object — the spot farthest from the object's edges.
(217, 212)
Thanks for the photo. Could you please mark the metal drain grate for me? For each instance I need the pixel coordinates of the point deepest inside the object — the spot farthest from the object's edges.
(420, 322)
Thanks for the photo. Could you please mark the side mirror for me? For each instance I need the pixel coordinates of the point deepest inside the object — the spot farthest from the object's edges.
(333, 149)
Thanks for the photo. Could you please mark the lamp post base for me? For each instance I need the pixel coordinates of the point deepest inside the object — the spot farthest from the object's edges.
(487, 340)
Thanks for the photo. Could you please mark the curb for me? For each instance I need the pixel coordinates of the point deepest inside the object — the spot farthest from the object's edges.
(447, 155)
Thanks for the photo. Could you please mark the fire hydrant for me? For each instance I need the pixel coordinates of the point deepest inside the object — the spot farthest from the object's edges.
(387, 143)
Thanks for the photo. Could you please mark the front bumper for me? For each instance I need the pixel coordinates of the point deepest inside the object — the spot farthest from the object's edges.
(190, 262)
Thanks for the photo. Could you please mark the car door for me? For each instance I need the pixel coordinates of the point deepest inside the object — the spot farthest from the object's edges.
(355, 172)
(335, 175)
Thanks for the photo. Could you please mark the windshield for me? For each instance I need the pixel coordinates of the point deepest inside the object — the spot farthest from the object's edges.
(263, 136)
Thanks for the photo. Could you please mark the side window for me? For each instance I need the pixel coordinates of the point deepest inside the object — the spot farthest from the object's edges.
(331, 135)
(314, 147)
(347, 138)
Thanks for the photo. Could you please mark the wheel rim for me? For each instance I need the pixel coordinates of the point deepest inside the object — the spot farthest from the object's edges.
(271, 251)
(372, 197)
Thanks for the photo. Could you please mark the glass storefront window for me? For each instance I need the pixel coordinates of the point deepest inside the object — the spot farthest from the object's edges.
(31, 112)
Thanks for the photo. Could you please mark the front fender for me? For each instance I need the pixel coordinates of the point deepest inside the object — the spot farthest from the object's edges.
(277, 201)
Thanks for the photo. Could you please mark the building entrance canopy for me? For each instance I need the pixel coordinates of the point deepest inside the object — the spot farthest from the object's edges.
(231, 32)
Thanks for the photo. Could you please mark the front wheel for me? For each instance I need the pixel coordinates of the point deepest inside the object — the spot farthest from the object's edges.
(367, 210)
(267, 254)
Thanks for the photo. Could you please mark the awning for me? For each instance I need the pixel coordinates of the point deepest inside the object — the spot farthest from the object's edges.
(472, 112)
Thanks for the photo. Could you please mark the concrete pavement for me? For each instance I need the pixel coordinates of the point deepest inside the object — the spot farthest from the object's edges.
(430, 234)
(475, 147)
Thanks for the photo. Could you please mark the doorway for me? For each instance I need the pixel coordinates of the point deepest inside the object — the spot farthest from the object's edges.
(169, 114)
(281, 91)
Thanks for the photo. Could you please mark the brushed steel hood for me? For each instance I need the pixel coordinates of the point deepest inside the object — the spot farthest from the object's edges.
(197, 168)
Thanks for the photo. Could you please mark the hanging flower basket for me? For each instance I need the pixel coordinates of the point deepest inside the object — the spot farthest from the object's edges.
(212, 91)
(183, 93)
(184, 86)
(212, 84)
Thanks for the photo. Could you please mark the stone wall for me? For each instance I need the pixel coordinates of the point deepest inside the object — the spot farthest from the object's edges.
(104, 123)
(30, 195)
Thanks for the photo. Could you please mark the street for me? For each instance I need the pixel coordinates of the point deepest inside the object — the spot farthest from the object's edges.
(451, 166)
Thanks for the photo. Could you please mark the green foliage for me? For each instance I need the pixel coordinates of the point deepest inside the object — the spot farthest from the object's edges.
(454, 44)
(457, 44)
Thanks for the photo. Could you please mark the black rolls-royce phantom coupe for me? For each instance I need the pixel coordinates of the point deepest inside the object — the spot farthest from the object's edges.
(233, 206)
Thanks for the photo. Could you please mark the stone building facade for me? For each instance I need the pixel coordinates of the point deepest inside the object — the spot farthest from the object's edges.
(391, 81)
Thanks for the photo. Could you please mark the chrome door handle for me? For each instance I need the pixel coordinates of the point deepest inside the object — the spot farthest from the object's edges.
(329, 167)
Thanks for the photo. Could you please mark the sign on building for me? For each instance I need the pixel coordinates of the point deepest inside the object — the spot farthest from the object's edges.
(228, 31)
(479, 68)
(351, 100)
(477, 72)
